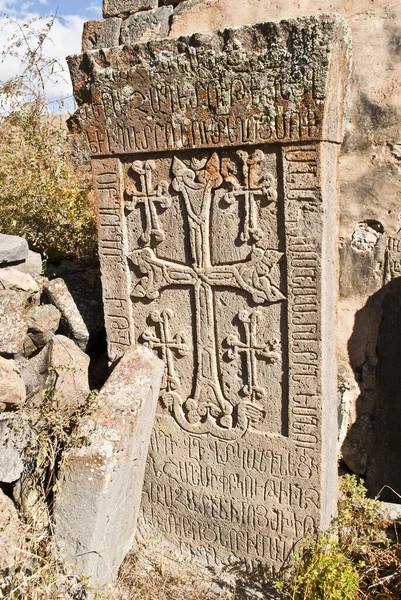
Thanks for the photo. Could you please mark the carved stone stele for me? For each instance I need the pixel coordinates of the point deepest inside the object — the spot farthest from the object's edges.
(215, 168)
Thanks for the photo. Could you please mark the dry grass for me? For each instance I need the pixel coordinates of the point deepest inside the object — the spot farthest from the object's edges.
(372, 543)
(147, 575)
(40, 574)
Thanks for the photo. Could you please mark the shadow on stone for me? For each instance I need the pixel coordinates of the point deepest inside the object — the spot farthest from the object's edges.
(371, 447)
(83, 281)
(383, 475)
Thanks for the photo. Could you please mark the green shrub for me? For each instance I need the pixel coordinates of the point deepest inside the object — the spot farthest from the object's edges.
(363, 561)
(322, 571)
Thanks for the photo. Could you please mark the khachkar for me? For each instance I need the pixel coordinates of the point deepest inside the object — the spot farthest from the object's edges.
(215, 166)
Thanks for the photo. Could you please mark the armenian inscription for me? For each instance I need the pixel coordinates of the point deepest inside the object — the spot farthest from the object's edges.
(214, 161)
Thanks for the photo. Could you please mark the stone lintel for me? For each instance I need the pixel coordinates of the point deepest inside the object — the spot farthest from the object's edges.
(269, 83)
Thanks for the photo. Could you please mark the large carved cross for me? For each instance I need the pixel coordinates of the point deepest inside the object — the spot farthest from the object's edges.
(208, 411)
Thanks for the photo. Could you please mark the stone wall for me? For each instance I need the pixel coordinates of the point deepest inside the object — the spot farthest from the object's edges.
(370, 177)
(48, 326)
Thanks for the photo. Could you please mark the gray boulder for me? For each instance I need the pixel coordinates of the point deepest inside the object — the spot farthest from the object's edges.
(12, 249)
(32, 265)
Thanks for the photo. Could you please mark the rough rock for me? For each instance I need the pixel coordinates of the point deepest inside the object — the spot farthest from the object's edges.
(29, 347)
(14, 279)
(14, 437)
(41, 360)
(11, 534)
(63, 300)
(389, 511)
(12, 386)
(12, 249)
(43, 322)
(101, 482)
(32, 265)
(35, 372)
(13, 321)
(101, 34)
(34, 380)
(69, 370)
(152, 24)
(82, 278)
(357, 445)
(114, 8)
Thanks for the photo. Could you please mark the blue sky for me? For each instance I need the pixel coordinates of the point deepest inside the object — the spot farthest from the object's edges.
(87, 10)
(65, 37)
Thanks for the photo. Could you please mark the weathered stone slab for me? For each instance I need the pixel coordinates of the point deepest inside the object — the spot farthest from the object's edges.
(12, 249)
(61, 297)
(114, 8)
(101, 482)
(216, 194)
(210, 90)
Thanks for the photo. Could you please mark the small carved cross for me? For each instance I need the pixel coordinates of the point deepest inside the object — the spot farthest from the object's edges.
(253, 351)
(149, 196)
(259, 184)
(167, 345)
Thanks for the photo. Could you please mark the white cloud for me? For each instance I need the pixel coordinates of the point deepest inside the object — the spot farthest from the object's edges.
(94, 8)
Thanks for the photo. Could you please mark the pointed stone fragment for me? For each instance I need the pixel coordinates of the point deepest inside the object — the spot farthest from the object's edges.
(101, 481)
